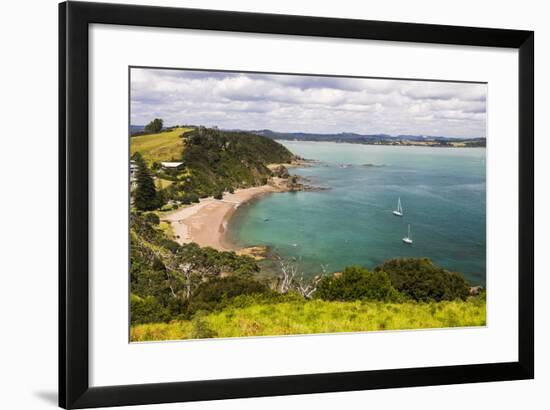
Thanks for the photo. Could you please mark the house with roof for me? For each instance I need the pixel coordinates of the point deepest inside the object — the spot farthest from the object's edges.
(133, 170)
(171, 165)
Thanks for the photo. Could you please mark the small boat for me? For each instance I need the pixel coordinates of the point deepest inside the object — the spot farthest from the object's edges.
(408, 239)
(399, 210)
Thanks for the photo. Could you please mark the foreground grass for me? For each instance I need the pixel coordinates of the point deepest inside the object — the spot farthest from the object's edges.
(164, 146)
(305, 317)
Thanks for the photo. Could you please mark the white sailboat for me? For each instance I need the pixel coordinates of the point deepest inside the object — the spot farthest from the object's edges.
(408, 239)
(399, 210)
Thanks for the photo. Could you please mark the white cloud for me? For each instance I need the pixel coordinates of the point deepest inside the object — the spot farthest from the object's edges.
(308, 103)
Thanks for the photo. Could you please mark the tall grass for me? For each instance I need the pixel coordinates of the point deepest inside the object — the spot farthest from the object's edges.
(316, 316)
(164, 146)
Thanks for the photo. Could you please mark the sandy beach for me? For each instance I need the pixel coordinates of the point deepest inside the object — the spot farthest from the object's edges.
(205, 222)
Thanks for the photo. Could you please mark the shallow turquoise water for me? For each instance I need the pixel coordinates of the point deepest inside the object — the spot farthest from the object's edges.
(442, 192)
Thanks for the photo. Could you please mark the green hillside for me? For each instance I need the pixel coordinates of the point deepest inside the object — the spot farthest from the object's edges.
(214, 162)
(218, 160)
(164, 146)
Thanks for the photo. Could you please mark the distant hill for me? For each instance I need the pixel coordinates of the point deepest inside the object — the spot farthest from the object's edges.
(375, 139)
(136, 128)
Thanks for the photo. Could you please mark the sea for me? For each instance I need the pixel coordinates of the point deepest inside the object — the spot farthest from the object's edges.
(350, 221)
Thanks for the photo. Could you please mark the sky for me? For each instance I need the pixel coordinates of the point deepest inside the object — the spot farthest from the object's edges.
(313, 104)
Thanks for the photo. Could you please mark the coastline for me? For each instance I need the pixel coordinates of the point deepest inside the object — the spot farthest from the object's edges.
(205, 222)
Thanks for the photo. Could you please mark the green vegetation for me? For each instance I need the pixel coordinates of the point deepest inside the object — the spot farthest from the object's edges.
(217, 293)
(145, 195)
(163, 146)
(213, 162)
(219, 161)
(166, 228)
(316, 316)
(154, 126)
(163, 183)
(420, 279)
(164, 274)
(357, 283)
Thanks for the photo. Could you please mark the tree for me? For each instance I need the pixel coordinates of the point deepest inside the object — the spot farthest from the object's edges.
(216, 292)
(357, 283)
(154, 126)
(145, 195)
(147, 310)
(291, 279)
(420, 279)
(286, 280)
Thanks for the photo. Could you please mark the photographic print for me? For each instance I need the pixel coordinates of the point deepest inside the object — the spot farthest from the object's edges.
(267, 204)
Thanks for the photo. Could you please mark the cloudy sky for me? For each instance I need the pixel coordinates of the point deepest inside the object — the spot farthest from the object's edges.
(293, 103)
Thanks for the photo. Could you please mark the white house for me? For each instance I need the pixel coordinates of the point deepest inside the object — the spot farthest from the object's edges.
(171, 165)
(133, 170)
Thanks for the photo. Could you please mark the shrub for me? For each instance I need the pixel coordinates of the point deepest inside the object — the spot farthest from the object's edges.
(145, 195)
(201, 330)
(357, 283)
(169, 244)
(218, 195)
(146, 310)
(216, 293)
(152, 218)
(185, 200)
(420, 279)
(268, 298)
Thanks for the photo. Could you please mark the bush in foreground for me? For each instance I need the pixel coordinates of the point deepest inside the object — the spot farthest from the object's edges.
(420, 279)
(216, 293)
(146, 310)
(357, 283)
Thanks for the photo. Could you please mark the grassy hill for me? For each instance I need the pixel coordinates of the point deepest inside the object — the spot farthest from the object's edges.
(317, 316)
(164, 146)
(217, 161)
(214, 161)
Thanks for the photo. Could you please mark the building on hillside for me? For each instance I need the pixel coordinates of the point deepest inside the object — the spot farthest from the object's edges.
(133, 170)
(171, 165)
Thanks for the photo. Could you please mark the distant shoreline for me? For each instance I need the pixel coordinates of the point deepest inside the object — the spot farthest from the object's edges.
(400, 144)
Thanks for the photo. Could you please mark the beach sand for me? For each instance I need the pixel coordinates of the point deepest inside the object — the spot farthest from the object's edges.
(205, 223)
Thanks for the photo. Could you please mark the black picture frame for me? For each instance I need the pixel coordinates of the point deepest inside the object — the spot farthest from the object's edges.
(74, 387)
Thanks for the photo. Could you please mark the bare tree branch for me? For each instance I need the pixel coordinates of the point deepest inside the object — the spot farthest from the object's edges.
(293, 280)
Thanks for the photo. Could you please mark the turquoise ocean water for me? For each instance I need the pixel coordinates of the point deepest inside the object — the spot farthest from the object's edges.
(442, 191)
